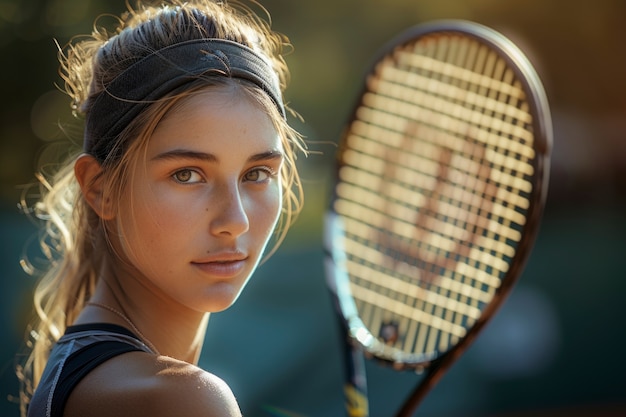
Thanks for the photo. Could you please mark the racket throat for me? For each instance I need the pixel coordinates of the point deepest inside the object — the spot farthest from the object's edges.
(432, 376)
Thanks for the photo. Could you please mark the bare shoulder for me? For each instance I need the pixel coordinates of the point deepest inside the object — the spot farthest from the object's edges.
(192, 390)
(140, 384)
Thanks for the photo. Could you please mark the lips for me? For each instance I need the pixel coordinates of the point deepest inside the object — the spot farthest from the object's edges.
(224, 265)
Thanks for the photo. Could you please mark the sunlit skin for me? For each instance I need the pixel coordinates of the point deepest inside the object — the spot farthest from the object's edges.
(204, 205)
(198, 214)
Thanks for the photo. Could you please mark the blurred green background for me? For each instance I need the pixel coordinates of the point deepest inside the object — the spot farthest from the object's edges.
(555, 348)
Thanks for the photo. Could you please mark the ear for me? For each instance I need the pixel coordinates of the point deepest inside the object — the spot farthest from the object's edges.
(88, 172)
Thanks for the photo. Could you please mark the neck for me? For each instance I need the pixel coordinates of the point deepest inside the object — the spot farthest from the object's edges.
(167, 327)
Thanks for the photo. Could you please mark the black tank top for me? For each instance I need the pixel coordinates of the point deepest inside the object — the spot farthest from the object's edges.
(81, 349)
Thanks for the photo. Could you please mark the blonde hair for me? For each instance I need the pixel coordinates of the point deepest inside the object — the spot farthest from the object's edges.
(75, 239)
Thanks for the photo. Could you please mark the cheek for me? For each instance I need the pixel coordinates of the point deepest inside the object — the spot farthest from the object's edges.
(265, 213)
(149, 221)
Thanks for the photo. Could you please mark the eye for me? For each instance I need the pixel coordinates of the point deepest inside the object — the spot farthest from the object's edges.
(186, 176)
(259, 175)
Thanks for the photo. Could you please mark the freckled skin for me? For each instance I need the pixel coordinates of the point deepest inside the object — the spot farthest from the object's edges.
(198, 214)
(168, 225)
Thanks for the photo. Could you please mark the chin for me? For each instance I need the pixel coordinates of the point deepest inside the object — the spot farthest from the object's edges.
(219, 300)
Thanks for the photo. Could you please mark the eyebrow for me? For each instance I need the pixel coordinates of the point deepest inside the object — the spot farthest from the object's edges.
(208, 157)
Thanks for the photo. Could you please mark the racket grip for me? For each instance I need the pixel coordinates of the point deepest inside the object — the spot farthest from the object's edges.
(355, 388)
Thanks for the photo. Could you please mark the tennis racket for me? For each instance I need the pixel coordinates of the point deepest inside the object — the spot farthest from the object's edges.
(440, 184)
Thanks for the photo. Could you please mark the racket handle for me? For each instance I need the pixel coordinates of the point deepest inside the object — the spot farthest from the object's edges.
(355, 388)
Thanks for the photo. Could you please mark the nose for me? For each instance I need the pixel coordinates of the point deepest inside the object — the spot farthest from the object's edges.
(230, 216)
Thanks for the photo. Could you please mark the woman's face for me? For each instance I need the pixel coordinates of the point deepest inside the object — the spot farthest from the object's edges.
(205, 201)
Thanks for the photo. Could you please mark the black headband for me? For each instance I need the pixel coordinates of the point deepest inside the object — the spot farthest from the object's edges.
(162, 72)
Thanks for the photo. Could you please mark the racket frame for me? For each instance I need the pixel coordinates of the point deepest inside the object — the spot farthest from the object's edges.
(359, 344)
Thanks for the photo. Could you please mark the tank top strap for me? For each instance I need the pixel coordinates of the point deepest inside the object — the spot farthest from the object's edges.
(81, 349)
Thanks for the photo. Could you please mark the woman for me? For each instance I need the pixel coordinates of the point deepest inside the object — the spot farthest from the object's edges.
(187, 167)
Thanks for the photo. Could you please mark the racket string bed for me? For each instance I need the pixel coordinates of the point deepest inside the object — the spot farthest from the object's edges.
(433, 211)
